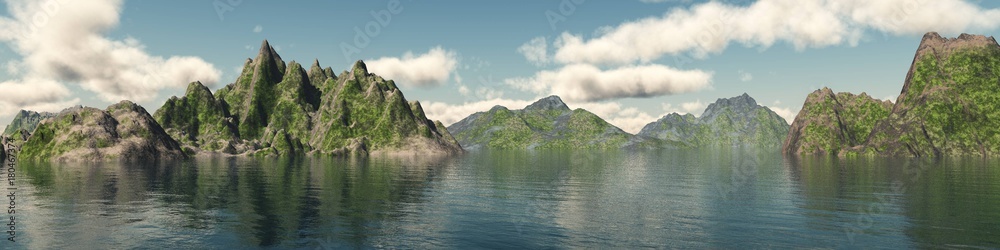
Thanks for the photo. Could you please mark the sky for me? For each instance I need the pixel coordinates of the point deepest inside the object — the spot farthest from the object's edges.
(628, 61)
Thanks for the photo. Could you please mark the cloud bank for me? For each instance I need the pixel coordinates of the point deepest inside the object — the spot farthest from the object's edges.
(587, 83)
(62, 41)
(427, 70)
(710, 27)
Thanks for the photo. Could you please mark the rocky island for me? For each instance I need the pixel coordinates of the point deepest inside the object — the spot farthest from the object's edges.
(726, 122)
(546, 123)
(272, 108)
(949, 106)
(124, 131)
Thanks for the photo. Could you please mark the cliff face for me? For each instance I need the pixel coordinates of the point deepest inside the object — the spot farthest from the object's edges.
(949, 105)
(125, 131)
(829, 123)
(279, 109)
(547, 123)
(729, 121)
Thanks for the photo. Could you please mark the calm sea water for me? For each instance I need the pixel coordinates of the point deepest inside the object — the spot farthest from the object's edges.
(732, 198)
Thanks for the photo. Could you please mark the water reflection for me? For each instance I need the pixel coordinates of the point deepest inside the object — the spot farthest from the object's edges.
(290, 202)
(711, 198)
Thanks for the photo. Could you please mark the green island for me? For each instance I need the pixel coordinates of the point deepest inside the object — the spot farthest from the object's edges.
(948, 107)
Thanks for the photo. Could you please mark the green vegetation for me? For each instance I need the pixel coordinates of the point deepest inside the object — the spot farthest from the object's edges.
(547, 123)
(25, 121)
(278, 109)
(949, 106)
(727, 122)
(124, 131)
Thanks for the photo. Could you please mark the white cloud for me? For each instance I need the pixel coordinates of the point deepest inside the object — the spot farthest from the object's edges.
(535, 51)
(582, 82)
(64, 41)
(430, 69)
(745, 76)
(787, 113)
(258, 29)
(452, 113)
(710, 27)
(890, 98)
(695, 107)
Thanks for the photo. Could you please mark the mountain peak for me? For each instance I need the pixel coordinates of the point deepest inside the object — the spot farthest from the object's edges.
(548, 103)
(359, 68)
(265, 48)
(741, 100)
(932, 41)
(742, 103)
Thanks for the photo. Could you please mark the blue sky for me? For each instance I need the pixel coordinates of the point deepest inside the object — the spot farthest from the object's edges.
(634, 60)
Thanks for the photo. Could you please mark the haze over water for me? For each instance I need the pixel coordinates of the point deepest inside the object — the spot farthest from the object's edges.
(726, 198)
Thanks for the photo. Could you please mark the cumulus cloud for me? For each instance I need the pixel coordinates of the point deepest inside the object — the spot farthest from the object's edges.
(745, 76)
(63, 41)
(583, 82)
(535, 51)
(452, 113)
(258, 29)
(787, 113)
(710, 27)
(430, 69)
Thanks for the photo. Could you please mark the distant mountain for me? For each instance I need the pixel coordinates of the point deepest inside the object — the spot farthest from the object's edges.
(125, 131)
(275, 108)
(547, 123)
(726, 122)
(26, 120)
(949, 105)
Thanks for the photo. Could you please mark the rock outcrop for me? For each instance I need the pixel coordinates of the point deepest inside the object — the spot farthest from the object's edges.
(726, 122)
(124, 131)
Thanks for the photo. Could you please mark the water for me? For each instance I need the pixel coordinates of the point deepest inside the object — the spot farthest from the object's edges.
(732, 198)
